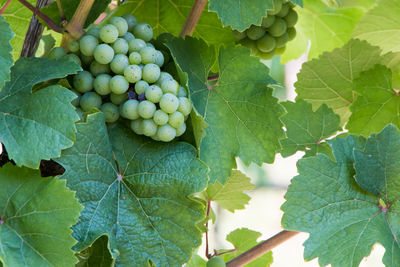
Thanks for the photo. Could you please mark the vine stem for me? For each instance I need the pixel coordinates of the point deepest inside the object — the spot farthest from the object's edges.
(261, 248)
(193, 18)
(208, 214)
(5, 6)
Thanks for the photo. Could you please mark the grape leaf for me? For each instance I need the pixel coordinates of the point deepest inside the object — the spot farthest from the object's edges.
(329, 79)
(392, 60)
(230, 195)
(377, 105)
(6, 59)
(137, 192)
(345, 220)
(244, 239)
(381, 26)
(170, 15)
(36, 217)
(97, 255)
(35, 126)
(241, 113)
(306, 129)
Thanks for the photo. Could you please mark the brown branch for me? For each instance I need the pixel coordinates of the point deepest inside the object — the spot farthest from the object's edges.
(45, 18)
(193, 18)
(5, 6)
(208, 214)
(75, 26)
(213, 78)
(261, 249)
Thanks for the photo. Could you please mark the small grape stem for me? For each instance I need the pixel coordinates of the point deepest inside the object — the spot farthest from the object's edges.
(261, 249)
(60, 9)
(208, 255)
(193, 18)
(225, 252)
(213, 78)
(5, 6)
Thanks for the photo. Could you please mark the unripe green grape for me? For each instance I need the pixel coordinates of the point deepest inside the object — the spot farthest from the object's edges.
(150, 45)
(149, 128)
(146, 109)
(291, 18)
(148, 55)
(255, 32)
(111, 113)
(216, 262)
(135, 58)
(129, 109)
(278, 28)
(277, 8)
(169, 103)
(75, 102)
(159, 60)
(109, 33)
(119, 63)
(280, 51)
(151, 73)
(284, 10)
(268, 21)
(166, 133)
(87, 44)
(182, 91)
(83, 81)
(239, 35)
(102, 84)
(176, 119)
(73, 58)
(87, 60)
(73, 47)
(56, 53)
(136, 126)
(103, 53)
(266, 44)
(143, 31)
(160, 117)
(118, 85)
(121, 25)
(131, 20)
(164, 76)
(155, 137)
(282, 40)
(185, 106)
(140, 87)
(291, 33)
(267, 55)
(181, 129)
(154, 93)
(136, 45)
(120, 46)
(90, 100)
(249, 43)
(133, 73)
(96, 68)
(94, 31)
(118, 99)
(170, 86)
(128, 37)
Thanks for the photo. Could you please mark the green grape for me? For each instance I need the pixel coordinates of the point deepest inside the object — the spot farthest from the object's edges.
(56, 53)
(146, 109)
(160, 117)
(164, 76)
(169, 103)
(96, 68)
(131, 20)
(284, 10)
(239, 35)
(291, 33)
(255, 32)
(153, 93)
(281, 40)
(148, 55)
(166, 133)
(136, 126)
(83, 81)
(75, 102)
(267, 55)
(155, 137)
(268, 21)
(280, 51)
(73, 58)
(278, 28)
(87, 44)
(128, 37)
(176, 119)
(129, 109)
(86, 60)
(143, 31)
(120, 46)
(170, 86)
(140, 87)
(150, 45)
(118, 84)
(291, 18)
(73, 47)
(149, 127)
(94, 31)
(121, 25)
(90, 100)
(111, 113)
(119, 63)
(277, 8)
(102, 84)
(159, 60)
(133, 73)
(103, 53)
(181, 130)
(249, 43)
(118, 99)
(136, 45)
(151, 73)
(266, 44)
(182, 91)
(216, 262)
(135, 58)
(109, 33)
(185, 106)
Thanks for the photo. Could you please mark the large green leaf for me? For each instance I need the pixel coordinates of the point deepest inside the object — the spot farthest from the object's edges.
(381, 26)
(36, 218)
(6, 59)
(241, 113)
(170, 15)
(137, 192)
(35, 126)
(345, 220)
(329, 79)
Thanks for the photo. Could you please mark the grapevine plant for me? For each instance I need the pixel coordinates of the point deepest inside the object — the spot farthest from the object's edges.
(121, 122)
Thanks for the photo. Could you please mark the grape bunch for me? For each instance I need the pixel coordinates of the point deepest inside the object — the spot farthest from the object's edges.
(124, 76)
(276, 29)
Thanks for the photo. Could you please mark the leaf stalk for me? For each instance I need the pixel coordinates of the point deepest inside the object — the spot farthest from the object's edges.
(193, 18)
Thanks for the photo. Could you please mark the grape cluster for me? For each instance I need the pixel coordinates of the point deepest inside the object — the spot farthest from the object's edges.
(276, 29)
(124, 77)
